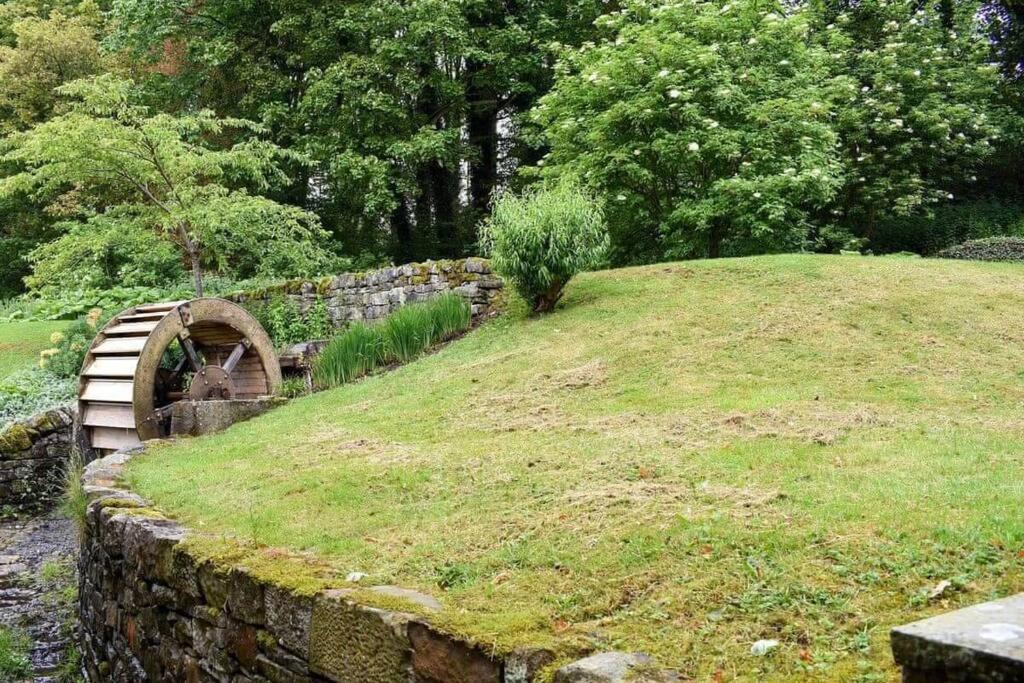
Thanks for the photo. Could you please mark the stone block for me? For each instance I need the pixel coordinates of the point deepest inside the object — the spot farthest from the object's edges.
(350, 643)
(288, 617)
(195, 418)
(983, 643)
(439, 657)
(614, 667)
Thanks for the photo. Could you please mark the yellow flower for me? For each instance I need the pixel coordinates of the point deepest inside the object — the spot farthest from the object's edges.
(56, 337)
(93, 316)
(46, 353)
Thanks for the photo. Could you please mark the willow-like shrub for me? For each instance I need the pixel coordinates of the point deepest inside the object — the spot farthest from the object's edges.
(543, 237)
(400, 338)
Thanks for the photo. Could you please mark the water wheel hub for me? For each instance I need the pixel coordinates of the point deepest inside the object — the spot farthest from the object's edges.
(212, 383)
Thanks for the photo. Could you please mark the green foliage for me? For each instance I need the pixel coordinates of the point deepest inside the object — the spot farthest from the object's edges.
(293, 387)
(70, 346)
(948, 225)
(75, 501)
(14, 648)
(47, 52)
(115, 249)
(451, 315)
(31, 391)
(917, 106)
(989, 249)
(285, 322)
(543, 237)
(407, 332)
(72, 303)
(400, 338)
(705, 125)
(350, 355)
(165, 173)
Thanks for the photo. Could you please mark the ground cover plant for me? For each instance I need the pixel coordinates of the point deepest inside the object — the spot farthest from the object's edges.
(988, 249)
(683, 459)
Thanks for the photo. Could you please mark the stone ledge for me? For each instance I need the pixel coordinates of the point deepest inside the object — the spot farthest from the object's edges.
(34, 453)
(983, 643)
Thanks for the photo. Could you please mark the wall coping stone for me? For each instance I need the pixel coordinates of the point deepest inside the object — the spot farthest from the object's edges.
(983, 642)
(152, 610)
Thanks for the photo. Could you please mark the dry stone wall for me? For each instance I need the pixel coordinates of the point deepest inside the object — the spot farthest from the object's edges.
(33, 456)
(151, 610)
(375, 294)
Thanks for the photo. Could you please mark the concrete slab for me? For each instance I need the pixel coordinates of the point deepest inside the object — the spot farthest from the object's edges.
(983, 643)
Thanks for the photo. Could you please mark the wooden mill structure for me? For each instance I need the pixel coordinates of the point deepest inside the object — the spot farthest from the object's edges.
(149, 357)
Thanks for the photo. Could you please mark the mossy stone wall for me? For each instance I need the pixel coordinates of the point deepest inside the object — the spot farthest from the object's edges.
(33, 455)
(375, 294)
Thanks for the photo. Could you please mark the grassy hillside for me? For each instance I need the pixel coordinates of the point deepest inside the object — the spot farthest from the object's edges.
(684, 459)
(21, 342)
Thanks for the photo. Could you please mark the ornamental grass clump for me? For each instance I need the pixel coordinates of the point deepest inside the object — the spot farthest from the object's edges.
(451, 315)
(400, 338)
(350, 355)
(543, 237)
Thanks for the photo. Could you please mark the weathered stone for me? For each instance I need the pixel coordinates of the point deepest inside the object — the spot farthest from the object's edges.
(605, 667)
(423, 600)
(523, 665)
(983, 643)
(288, 617)
(195, 418)
(350, 643)
(439, 657)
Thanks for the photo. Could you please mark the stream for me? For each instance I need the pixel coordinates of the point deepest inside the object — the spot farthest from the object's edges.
(37, 593)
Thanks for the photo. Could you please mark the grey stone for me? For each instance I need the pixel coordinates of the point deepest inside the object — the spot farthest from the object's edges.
(195, 418)
(604, 667)
(983, 643)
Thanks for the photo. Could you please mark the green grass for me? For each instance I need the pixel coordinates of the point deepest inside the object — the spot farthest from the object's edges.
(683, 459)
(14, 661)
(21, 342)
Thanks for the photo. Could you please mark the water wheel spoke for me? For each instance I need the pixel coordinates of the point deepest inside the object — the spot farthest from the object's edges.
(236, 355)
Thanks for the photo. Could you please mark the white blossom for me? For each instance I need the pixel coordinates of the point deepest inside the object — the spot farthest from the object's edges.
(693, 147)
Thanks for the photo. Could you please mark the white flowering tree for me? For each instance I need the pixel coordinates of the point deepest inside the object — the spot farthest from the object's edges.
(917, 110)
(706, 126)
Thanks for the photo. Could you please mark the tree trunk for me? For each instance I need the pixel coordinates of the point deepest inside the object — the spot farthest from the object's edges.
(194, 257)
(197, 272)
(546, 302)
(483, 138)
(444, 186)
(401, 229)
(715, 237)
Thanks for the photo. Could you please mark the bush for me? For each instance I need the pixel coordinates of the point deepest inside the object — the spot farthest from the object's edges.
(949, 225)
(542, 238)
(286, 324)
(403, 336)
(990, 249)
(70, 346)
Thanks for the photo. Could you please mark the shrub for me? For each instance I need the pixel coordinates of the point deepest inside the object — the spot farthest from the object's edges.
(70, 346)
(949, 225)
(286, 324)
(350, 355)
(990, 249)
(543, 237)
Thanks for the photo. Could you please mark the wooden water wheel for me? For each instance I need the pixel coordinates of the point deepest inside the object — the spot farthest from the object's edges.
(148, 357)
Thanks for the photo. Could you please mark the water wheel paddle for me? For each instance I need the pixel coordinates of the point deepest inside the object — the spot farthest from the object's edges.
(148, 357)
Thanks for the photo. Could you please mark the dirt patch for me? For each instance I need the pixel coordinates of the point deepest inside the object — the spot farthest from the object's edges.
(593, 374)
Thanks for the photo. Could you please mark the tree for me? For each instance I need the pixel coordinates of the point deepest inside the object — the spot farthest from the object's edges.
(918, 110)
(378, 93)
(112, 157)
(705, 125)
(48, 52)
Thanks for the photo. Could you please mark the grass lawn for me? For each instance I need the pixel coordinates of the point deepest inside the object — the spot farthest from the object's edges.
(21, 342)
(683, 459)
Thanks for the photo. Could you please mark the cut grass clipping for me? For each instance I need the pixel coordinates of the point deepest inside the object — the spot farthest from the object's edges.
(683, 459)
(403, 336)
